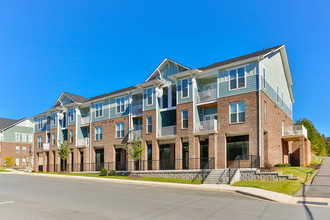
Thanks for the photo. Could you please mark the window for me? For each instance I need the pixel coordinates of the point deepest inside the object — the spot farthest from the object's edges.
(264, 77)
(237, 78)
(184, 88)
(149, 124)
(24, 150)
(265, 112)
(17, 137)
(54, 119)
(40, 123)
(165, 97)
(30, 149)
(277, 94)
(17, 149)
(237, 112)
(23, 161)
(149, 96)
(23, 137)
(53, 139)
(40, 141)
(17, 162)
(282, 99)
(98, 110)
(120, 130)
(98, 133)
(184, 119)
(278, 121)
(71, 136)
(71, 114)
(173, 95)
(238, 145)
(30, 138)
(120, 105)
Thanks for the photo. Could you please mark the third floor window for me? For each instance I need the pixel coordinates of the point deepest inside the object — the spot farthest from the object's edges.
(98, 110)
(237, 78)
(120, 105)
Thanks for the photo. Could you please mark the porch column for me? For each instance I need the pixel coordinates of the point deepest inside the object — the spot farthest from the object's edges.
(302, 152)
(178, 153)
(45, 160)
(51, 161)
(194, 152)
(213, 149)
(221, 152)
(144, 158)
(86, 159)
(155, 154)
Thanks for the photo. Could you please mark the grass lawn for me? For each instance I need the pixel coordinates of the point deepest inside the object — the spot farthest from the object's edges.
(316, 159)
(156, 179)
(4, 169)
(289, 187)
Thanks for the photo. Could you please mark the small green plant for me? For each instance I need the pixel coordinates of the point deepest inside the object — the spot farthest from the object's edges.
(112, 173)
(104, 172)
(33, 171)
(282, 165)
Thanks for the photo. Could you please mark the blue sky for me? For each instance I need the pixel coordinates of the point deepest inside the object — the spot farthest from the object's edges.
(94, 47)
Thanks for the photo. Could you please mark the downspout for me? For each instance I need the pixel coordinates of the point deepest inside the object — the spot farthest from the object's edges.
(259, 113)
(90, 135)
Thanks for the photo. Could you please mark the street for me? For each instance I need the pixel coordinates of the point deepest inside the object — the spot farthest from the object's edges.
(33, 197)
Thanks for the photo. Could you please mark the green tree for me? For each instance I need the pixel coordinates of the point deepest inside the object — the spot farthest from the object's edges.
(64, 151)
(318, 143)
(135, 150)
(9, 161)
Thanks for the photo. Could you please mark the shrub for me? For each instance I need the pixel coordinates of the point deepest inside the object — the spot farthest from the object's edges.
(112, 173)
(104, 172)
(268, 165)
(282, 165)
(33, 171)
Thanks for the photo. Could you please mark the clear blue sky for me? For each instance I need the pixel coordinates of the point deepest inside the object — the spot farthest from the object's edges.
(94, 47)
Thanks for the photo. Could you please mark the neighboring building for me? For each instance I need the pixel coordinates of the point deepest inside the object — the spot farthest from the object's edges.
(16, 140)
(184, 116)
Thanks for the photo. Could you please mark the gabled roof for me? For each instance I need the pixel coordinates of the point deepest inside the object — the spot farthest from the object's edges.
(112, 93)
(162, 64)
(6, 122)
(73, 97)
(237, 59)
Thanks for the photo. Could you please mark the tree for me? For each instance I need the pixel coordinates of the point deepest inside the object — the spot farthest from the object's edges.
(328, 144)
(9, 161)
(135, 150)
(64, 151)
(318, 143)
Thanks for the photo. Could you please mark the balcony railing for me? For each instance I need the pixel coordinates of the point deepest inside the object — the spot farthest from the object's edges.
(137, 109)
(207, 95)
(85, 120)
(167, 131)
(135, 133)
(210, 125)
(83, 142)
(45, 146)
(294, 130)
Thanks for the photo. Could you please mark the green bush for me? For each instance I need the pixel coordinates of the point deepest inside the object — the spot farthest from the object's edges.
(112, 173)
(33, 171)
(104, 172)
(282, 165)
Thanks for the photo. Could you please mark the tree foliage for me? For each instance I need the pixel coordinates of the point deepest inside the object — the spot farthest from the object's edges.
(64, 151)
(135, 150)
(318, 141)
(9, 161)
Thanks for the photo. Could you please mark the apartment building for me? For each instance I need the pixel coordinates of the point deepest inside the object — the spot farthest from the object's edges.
(16, 141)
(184, 117)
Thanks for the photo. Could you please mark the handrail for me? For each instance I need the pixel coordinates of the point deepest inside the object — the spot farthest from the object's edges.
(203, 172)
(237, 160)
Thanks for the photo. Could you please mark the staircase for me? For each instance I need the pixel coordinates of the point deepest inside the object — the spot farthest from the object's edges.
(213, 177)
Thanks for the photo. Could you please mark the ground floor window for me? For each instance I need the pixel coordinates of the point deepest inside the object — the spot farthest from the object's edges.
(238, 145)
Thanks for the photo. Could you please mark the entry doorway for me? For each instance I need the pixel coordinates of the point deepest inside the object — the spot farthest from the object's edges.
(185, 155)
(204, 152)
(81, 160)
(99, 159)
(120, 159)
(164, 157)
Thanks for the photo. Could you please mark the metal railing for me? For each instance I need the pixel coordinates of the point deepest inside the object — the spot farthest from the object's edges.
(207, 95)
(137, 109)
(167, 131)
(294, 130)
(45, 146)
(83, 142)
(233, 168)
(85, 120)
(209, 125)
(206, 170)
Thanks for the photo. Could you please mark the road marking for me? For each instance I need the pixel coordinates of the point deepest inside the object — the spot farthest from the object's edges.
(1, 203)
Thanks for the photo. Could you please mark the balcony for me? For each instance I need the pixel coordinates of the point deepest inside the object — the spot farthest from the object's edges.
(45, 146)
(207, 95)
(85, 121)
(137, 109)
(294, 132)
(167, 131)
(136, 133)
(48, 127)
(83, 142)
(206, 126)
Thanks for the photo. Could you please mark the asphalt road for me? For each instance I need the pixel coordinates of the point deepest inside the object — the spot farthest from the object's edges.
(32, 197)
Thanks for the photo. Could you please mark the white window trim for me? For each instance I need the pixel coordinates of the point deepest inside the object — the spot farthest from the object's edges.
(24, 138)
(30, 138)
(17, 137)
(147, 131)
(100, 116)
(17, 149)
(71, 137)
(245, 76)
(182, 119)
(152, 96)
(17, 164)
(54, 119)
(71, 116)
(121, 128)
(277, 94)
(24, 150)
(237, 113)
(97, 131)
(188, 87)
(264, 77)
(120, 104)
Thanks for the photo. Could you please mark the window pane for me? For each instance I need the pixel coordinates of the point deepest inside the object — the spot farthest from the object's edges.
(233, 84)
(241, 82)
(232, 74)
(233, 118)
(233, 108)
(184, 83)
(241, 72)
(241, 117)
(241, 107)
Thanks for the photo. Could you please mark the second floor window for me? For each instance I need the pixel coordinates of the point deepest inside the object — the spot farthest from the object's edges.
(53, 138)
(71, 114)
(184, 119)
(54, 119)
(237, 78)
(149, 124)
(30, 138)
(120, 130)
(149, 96)
(30, 150)
(98, 133)
(71, 136)
(237, 112)
(40, 123)
(17, 149)
(184, 88)
(98, 110)
(40, 141)
(120, 105)
(23, 137)
(24, 150)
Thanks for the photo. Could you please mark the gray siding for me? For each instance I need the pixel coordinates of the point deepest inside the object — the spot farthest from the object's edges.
(178, 87)
(105, 111)
(113, 106)
(145, 106)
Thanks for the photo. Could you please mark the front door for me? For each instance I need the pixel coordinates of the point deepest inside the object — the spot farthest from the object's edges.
(81, 160)
(164, 157)
(204, 153)
(99, 159)
(120, 159)
(185, 155)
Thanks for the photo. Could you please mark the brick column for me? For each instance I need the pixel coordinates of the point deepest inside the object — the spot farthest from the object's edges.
(194, 153)
(178, 153)
(221, 152)
(45, 160)
(112, 157)
(51, 161)
(213, 149)
(144, 158)
(302, 152)
(155, 154)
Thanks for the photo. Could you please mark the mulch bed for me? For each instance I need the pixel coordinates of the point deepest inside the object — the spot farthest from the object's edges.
(272, 169)
(135, 176)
